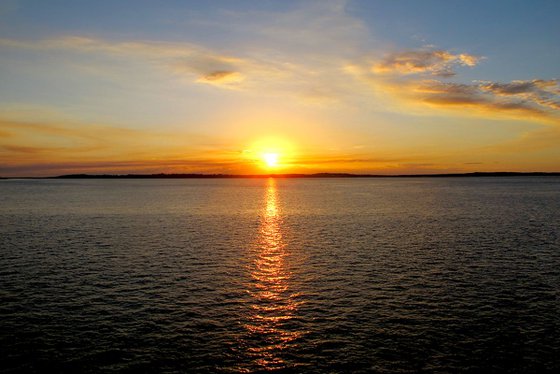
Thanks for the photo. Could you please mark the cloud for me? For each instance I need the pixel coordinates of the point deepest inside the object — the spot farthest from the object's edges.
(221, 77)
(25, 149)
(75, 131)
(433, 62)
(545, 93)
(42, 168)
(413, 79)
(407, 77)
(199, 63)
(348, 159)
(473, 96)
(51, 142)
(297, 53)
(537, 98)
(522, 87)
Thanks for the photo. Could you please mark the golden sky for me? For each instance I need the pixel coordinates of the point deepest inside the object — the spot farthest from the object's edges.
(378, 87)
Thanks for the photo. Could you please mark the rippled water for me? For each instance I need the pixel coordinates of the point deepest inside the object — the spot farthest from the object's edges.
(322, 275)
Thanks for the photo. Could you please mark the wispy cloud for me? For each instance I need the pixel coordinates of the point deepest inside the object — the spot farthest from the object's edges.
(545, 93)
(47, 144)
(479, 97)
(297, 54)
(221, 76)
(416, 79)
(435, 62)
(196, 61)
(141, 166)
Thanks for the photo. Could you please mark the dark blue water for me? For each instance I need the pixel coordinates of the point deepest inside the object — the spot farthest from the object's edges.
(322, 275)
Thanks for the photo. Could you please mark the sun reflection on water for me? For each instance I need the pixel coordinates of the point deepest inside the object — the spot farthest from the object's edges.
(273, 304)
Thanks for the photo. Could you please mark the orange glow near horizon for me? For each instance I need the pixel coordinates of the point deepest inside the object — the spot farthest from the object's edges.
(273, 152)
(35, 148)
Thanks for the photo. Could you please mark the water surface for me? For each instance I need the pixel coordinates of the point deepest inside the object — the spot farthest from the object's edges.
(254, 275)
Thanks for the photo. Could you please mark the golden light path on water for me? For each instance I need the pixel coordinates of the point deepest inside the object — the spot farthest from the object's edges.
(273, 302)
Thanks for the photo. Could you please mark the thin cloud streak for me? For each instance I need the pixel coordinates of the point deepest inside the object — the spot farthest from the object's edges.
(435, 62)
(183, 58)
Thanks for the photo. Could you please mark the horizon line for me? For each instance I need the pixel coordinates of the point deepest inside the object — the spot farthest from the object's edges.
(287, 175)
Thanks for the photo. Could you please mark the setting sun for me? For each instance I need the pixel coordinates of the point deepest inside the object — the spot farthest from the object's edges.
(270, 159)
(270, 152)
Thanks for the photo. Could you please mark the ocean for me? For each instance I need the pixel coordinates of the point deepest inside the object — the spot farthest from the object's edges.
(280, 275)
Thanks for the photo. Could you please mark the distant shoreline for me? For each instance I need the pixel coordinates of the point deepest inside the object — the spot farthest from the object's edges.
(315, 175)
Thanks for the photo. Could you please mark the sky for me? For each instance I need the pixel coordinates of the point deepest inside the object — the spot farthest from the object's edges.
(251, 87)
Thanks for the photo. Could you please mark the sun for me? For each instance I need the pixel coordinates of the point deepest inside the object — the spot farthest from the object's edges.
(269, 154)
(270, 159)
